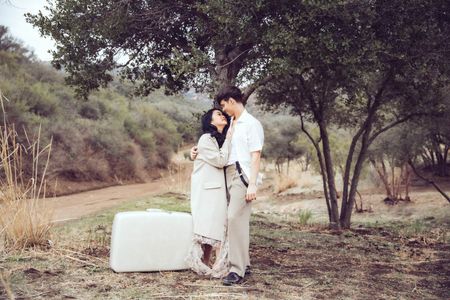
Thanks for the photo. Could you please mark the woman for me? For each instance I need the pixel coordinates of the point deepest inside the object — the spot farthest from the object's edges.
(208, 196)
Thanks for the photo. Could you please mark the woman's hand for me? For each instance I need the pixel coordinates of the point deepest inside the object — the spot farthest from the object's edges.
(194, 152)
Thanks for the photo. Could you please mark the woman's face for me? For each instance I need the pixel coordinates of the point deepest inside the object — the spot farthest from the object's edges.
(218, 119)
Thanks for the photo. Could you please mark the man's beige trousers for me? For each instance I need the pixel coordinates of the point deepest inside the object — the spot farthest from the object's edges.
(238, 222)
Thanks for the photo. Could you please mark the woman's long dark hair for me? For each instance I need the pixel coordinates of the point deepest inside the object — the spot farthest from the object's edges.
(211, 129)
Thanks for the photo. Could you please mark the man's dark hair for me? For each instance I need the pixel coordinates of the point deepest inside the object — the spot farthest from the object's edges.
(229, 92)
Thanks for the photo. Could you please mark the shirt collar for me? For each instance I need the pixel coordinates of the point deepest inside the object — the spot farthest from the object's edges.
(243, 116)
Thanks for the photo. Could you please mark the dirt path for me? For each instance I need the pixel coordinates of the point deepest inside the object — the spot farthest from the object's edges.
(426, 201)
(81, 204)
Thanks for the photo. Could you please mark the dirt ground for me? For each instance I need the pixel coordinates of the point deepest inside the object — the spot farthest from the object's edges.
(393, 252)
(408, 260)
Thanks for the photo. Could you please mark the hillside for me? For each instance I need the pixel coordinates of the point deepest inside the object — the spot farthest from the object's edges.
(111, 137)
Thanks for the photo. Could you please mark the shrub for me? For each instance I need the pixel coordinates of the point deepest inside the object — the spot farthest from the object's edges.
(91, 111)
(283, 183)
(304, 217)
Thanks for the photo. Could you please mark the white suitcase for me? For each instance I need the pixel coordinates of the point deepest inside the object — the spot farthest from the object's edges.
(152, 240)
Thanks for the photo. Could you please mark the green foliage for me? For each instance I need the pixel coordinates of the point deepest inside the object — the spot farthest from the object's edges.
(176, 44)
(425, 140)
(154, 131)
(41, 101)
(398, 145)
(106, 137)
(183, 112)
(281, 139)
(363, 67)
(93, 110)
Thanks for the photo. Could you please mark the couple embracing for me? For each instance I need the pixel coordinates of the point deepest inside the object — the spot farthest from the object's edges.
(223, 185)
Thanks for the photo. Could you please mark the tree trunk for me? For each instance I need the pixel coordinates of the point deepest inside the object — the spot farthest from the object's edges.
(347, 170)
(433, 159)
(383, 176)
(440, 163)
(307, 162)
(394, 187)
(287, 170)
(426, 159)
(407, 181)
(345, 221)
(230, 60)
(334, 222)
(361, 208)
(346, 213)
(442, 160)
(440, 168)
(348, 198)
(400, 182)
(446, 150)
(322, 167)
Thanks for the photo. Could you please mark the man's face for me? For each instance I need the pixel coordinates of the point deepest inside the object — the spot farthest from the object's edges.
(227, 106)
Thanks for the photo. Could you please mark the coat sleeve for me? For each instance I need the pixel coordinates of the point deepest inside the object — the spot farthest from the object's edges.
(208, 151)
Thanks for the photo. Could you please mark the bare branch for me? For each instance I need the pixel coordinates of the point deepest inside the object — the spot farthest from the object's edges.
(410, 163)
(231, 61)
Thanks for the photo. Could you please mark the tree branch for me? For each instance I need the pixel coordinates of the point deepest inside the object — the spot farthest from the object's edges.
(132, 57)
(348, 197)
(250, 89)
(231, 61)
(410, 163)
(393, 124)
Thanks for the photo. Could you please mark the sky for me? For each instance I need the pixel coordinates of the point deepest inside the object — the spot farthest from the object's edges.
(12, 15)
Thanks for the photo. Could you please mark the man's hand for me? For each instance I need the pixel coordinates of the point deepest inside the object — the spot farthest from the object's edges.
(251, 189)
(251, 192)
(194, 152)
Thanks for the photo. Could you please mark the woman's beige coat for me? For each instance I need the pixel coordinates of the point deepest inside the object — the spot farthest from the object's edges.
(208, 191)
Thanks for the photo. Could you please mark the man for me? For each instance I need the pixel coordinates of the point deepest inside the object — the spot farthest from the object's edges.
(242, 175)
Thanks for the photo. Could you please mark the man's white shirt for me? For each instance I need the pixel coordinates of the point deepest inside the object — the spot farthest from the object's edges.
(248, 136)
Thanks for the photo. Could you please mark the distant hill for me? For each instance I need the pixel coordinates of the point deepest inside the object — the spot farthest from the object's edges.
(111, 136)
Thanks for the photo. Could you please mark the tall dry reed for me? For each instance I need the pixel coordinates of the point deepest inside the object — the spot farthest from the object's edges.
(283, 182)
(24, 220)
(6, 285)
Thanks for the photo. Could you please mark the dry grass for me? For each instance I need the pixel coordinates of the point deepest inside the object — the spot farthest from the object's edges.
(283, 182)
(178, 179)
(289, 261)
(6, 285)
(24, 222)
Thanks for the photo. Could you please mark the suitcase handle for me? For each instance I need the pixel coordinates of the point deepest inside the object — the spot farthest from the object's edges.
(158, 210)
